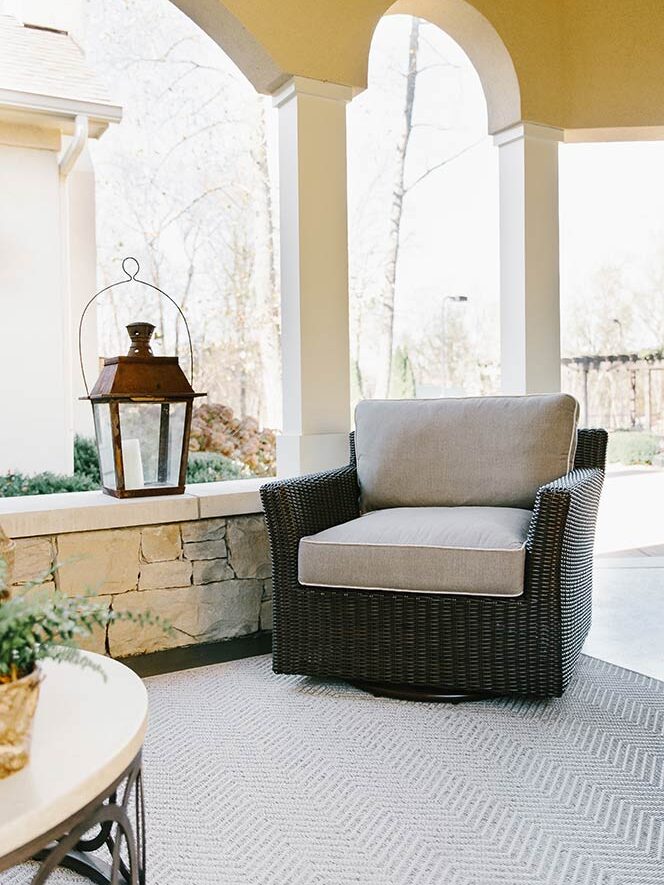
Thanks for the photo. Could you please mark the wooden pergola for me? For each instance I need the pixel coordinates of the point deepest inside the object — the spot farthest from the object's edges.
(637, 365)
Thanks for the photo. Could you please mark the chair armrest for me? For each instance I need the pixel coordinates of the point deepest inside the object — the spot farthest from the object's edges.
(314, 502)
(559, 565)
(574, 495)
(562, 530)
(303, 506)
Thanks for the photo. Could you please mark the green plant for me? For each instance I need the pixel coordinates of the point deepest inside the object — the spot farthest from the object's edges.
(632, 447)
(86, 460)
(211, 467)
(201, 467)
(402, 380)
(36, 623)
(13, 484)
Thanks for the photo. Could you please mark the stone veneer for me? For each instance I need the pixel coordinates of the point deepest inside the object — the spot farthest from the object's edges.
(210, 578)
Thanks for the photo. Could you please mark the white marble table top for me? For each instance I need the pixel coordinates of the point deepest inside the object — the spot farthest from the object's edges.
(86, 732)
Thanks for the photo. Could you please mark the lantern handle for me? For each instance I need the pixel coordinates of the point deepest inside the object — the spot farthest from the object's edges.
(132, 277)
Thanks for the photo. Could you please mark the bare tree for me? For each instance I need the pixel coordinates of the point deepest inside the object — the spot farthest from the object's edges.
(402, 187)
(185, 185)
(398, 194)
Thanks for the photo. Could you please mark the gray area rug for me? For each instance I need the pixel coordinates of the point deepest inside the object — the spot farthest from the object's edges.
(257, 779)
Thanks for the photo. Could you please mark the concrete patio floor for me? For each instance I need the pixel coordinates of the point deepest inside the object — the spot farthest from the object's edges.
(628, 609)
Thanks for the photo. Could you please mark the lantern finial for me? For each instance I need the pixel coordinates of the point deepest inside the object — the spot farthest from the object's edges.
(140, 334)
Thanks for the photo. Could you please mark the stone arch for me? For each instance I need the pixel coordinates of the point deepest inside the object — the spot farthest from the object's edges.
(483, 46)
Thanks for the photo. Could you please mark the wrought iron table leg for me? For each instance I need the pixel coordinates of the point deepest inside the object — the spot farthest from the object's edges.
(110, 813)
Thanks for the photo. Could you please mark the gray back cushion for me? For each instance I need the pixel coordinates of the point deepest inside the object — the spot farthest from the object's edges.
(483, 451)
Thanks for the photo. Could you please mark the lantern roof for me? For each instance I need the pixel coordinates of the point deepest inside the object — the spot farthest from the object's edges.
(140, 375)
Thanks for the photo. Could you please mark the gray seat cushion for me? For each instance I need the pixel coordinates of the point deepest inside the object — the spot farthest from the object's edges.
(480, 451)
(428, 549)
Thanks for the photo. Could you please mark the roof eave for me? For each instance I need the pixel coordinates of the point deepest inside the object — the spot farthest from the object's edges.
(57, 112)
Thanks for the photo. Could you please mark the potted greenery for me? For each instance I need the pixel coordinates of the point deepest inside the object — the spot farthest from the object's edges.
(35, 624)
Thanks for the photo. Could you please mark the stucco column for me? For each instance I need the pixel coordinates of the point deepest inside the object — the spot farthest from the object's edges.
(314, 276)
(529, 259)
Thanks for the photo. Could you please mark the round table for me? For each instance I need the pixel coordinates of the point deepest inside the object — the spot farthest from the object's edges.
(74, 795)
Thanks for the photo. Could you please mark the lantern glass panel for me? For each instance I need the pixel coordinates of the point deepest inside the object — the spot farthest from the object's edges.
(176, 427)
(152, 440)
(102, 419)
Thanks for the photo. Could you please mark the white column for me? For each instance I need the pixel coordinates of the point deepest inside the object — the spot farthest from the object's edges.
(314, 276)
(529, 259)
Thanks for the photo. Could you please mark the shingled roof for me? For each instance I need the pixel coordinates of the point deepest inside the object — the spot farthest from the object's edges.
(43, 68)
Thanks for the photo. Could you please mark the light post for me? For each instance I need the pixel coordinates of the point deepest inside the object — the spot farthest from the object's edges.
(456, 299)
(619, 326)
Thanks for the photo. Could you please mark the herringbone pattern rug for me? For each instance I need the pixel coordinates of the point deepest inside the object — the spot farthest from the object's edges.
(257, 779)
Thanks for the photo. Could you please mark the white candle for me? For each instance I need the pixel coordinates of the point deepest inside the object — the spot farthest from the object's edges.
(133, 464)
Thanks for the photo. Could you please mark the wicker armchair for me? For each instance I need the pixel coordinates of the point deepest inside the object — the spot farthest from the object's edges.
(433, 645)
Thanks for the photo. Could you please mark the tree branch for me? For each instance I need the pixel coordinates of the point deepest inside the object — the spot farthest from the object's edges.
(441, 164)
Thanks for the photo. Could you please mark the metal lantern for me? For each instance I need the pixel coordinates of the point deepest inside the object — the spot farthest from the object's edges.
(142, 407)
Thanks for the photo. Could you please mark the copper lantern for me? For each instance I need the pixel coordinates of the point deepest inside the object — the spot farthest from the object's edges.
(142, 407)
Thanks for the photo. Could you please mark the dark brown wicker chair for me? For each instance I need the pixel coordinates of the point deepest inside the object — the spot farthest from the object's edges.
(426, 644)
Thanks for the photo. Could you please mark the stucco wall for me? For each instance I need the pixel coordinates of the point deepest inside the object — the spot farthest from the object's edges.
(613, 59)
(580, 63)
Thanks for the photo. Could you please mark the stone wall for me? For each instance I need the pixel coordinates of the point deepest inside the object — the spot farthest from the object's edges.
(210, 578)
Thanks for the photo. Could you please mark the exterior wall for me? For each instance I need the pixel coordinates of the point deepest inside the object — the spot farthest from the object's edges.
(210, 578)
(47, 274)
(35, 432)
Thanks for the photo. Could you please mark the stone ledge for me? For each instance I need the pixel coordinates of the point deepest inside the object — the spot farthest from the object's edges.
(30, 516)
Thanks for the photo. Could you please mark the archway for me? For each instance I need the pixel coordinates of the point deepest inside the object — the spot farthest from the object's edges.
(238, 43)
(483, 46)
(423, 220)
(314, 245)
(528, 162)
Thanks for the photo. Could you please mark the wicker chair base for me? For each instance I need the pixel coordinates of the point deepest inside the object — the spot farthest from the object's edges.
(426, 693)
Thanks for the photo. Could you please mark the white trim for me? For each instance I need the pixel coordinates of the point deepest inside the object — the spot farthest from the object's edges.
(426, 592)
(574, 442)
(317, 88)
(528, 130)
(35, 515)
(309, 539)
(56, 105)
(617, 133)
(577, 136)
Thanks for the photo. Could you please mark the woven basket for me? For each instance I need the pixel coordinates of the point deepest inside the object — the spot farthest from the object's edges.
(18, 702)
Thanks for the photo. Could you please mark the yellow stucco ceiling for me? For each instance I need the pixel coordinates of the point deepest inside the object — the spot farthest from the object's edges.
(579, 63)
